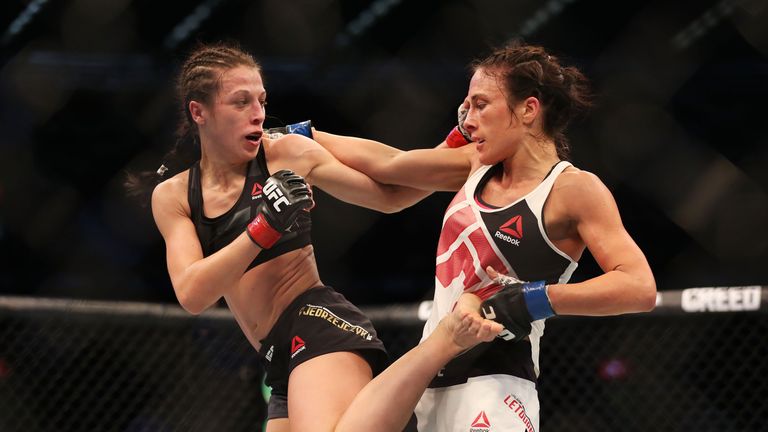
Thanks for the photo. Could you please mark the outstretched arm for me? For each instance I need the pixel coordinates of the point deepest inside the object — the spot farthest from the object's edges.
(387, 402)
(436, 169)
(323, 170)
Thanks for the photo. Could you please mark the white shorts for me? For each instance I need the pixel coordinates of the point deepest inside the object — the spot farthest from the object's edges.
(490, 403)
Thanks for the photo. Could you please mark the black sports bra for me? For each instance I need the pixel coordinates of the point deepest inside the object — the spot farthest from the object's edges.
(215, 233)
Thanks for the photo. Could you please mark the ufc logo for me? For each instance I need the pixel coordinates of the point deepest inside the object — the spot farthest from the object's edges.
(506, 335)
(490, 313)
(275, 195)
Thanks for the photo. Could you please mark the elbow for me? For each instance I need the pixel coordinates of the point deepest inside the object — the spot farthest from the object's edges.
(194, 310)
(398, 205)
(647, 297)
(189, 303)
(394, 200)
(391, 208)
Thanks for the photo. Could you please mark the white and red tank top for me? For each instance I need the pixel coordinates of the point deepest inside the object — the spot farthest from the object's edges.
(511, 239)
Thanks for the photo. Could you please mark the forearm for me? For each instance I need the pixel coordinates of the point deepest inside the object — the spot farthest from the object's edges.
(429, 169)
(613, 293)
(370, 157)
(205, 281)
(355, 187)
(394, 198)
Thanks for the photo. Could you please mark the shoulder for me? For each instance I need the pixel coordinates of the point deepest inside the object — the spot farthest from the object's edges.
(578, 180)
(581, 190)
(171, 194)
(295, 152)
(289, 146)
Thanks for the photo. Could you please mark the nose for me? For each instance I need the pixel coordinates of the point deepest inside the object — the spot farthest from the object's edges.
(258, 113)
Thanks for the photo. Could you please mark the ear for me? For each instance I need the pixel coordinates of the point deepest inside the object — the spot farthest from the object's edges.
(529, 110)
(197, 111)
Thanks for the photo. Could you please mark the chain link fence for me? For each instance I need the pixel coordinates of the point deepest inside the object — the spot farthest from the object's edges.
(98, 367)
(697, 363)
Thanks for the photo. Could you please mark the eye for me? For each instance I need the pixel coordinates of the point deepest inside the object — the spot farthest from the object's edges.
(263, 102)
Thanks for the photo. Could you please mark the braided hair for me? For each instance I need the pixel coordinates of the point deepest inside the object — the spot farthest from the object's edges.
(198, 80)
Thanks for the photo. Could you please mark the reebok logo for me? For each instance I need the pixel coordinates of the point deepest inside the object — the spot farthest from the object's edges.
(297, 346)
(512, 230)
(514, 227)
(480, 423)
(256, 191)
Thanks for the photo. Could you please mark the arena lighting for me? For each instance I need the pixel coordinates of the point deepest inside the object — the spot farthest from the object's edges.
(102, 71)
(365, 20)
(191, 23)
(613, 369)
(543, 15)
(24, 18)
(703, 24)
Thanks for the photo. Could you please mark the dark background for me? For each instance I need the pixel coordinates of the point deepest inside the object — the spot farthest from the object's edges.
(86, 93)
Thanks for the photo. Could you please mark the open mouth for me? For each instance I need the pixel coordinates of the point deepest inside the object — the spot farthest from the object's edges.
(254, 136)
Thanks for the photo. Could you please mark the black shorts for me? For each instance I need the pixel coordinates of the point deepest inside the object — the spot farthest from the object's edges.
(317, 322)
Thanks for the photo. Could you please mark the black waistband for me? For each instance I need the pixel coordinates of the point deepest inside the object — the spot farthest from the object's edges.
(289, 310)
(494, 358)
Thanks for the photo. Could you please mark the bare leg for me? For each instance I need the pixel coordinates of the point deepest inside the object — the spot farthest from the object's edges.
(321, 389)
(278, 425)
(386, 404)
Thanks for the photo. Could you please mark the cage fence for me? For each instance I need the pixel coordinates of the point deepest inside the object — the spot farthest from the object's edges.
(697, 363)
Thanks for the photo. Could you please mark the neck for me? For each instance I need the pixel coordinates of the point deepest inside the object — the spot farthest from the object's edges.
(531, 162)
(217, 170)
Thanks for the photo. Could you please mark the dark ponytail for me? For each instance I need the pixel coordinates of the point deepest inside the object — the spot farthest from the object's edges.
(185, 152)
